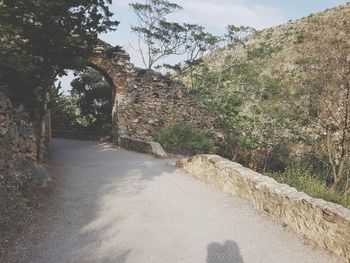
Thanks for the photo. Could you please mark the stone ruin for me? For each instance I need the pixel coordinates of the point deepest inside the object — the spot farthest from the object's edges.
(144, 101)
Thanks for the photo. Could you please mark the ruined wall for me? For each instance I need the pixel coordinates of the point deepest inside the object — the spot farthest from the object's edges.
(17, 139)
(20, 175)
(324, 224)
(146, 101)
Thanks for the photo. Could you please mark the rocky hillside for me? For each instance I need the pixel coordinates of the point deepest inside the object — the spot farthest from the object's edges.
(282, 50)
(284, 96)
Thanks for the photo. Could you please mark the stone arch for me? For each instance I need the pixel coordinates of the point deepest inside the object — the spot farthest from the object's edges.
(144, 101)
(112, 65)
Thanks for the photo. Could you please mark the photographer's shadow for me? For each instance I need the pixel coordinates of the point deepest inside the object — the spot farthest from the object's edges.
(228, 252)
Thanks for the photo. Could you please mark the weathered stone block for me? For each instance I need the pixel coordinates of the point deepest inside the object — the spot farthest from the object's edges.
(142, 146)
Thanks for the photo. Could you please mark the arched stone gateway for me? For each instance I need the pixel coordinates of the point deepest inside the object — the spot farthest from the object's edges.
(145, 101)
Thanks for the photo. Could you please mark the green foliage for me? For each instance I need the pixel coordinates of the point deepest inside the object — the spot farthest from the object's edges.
(268, 35)
(185, 138)
(64, 110)
(41, 38)
(160, 37)
(286, 110)
(263, 51)
(300, 37)
(88, 108)
(237, 33)
(94, 99)
(306, 181)
(112, 50)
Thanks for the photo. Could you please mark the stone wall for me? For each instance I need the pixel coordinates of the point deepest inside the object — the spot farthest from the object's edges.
(17, 137)
(324, 224)
(20, 175)
(145, 101)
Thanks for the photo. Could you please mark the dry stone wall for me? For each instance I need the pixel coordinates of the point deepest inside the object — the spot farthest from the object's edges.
(324, 224)
(20, 174)
(144, 100)
(17, 136)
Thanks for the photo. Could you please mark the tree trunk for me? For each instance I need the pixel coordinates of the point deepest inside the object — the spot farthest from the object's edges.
(42, 127)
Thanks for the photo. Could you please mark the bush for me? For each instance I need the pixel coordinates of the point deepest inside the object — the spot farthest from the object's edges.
(304, 180)
(263, 51)
(186, 139)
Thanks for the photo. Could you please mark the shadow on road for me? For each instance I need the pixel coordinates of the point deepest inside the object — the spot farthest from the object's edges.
(228, 252)
(82, 222)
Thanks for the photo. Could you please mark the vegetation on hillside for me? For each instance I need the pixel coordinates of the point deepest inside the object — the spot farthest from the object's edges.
(284, 97)
(283, 94)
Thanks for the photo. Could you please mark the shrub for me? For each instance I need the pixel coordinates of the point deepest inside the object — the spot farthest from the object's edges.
(185, 138)
(263, 51)
(304, 180)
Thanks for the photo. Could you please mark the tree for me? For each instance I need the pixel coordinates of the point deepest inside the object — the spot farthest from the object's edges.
(198, 43)
(159, 37)
(63, 108)
(94, 99)
(236, 34)
(42, 38)
(325, 97)
(49, 37)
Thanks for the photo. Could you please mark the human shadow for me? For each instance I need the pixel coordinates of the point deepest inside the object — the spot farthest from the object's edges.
(228, 252)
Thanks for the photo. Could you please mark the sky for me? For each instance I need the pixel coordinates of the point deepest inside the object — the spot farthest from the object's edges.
(214, 15)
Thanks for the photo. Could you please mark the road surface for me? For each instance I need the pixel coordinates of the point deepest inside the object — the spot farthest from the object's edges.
(113, 205)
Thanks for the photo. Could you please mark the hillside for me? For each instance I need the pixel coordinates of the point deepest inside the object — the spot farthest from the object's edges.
(282, 49)
(284, 97)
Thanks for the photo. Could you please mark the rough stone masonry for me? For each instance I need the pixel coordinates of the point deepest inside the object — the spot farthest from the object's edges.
(323, 224)
(145, 101)
(17, 136)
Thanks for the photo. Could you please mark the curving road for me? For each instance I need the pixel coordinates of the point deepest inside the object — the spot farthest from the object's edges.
(118, 206)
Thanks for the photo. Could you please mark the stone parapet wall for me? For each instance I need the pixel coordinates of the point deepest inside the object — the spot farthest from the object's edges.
(323, 224)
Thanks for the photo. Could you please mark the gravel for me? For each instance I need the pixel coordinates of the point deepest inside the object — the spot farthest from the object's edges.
(119, 206)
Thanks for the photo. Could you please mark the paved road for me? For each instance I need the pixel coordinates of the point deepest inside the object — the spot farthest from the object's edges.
(119, 206)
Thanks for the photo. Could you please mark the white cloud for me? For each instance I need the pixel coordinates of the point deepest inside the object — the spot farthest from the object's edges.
(219, 13)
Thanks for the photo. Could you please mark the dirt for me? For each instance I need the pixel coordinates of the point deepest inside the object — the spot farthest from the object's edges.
(112, 205)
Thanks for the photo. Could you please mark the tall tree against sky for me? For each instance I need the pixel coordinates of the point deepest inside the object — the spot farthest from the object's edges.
(157, 38)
